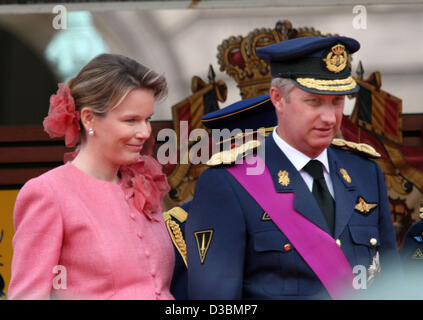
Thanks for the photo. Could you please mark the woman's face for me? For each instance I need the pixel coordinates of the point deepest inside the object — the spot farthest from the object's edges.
(119, 135)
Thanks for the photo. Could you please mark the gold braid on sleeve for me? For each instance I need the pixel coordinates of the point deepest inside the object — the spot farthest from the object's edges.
(175, 231)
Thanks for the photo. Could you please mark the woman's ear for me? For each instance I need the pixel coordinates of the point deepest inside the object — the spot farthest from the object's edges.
(87, 118)
(277, 99)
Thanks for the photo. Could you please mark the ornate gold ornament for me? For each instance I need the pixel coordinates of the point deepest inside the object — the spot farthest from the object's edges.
(328, 85)
(361, 148)
(203, 238)
(337, 58)
(283, 178)
(363, 206)
(345, 175)
(175, 231)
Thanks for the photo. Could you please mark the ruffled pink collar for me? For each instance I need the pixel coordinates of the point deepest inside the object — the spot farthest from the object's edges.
(143, 183)
(145, 186)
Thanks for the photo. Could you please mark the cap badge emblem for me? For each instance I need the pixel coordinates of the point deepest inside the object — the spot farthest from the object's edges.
(336, 60)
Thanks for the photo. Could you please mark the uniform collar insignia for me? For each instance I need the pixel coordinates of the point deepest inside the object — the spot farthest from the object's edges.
(283, 178)
(345, 175)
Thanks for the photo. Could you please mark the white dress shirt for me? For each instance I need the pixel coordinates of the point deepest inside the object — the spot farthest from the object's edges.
(299, 160)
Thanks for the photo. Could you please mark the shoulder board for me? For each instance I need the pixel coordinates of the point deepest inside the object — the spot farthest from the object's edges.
(228, 157)
(175, 231)
(176, 212)
(359, 148)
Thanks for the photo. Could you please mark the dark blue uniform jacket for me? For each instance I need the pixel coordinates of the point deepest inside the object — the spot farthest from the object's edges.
(245, 254)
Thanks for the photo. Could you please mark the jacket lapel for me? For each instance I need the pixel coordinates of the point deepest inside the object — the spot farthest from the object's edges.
(345, 195)
(304, 202)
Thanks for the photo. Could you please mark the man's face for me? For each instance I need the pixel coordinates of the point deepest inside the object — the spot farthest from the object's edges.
(308, 121)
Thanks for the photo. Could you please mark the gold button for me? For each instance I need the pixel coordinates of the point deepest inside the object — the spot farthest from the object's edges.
(373, 242)
(421, 215)
(286, 247)
(338, 242)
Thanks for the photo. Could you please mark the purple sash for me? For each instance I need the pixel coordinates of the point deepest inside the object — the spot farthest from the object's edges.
(318, 248)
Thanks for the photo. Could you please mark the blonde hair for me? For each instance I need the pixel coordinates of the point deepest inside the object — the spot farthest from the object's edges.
(105, 81)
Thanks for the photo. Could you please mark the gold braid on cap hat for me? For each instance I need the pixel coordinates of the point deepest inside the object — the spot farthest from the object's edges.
(328, 85)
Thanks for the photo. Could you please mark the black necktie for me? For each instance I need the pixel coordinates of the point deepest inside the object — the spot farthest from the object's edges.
(321, 192)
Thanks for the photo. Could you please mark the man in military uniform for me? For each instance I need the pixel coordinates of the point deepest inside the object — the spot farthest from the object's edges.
(297, 229)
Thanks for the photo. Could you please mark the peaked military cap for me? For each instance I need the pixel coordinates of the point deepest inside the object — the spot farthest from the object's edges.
(243, 119)
(315, 64)
(253, 113)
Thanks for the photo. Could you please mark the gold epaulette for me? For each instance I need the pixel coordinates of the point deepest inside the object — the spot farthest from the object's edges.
(421, 213)
(227, 157)
(360, 148)
(175, 231)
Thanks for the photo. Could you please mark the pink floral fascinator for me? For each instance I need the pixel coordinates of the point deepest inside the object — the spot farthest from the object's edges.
(63, 119)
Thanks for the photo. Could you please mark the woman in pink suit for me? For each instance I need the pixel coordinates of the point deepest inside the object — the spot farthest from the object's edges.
(92, 228)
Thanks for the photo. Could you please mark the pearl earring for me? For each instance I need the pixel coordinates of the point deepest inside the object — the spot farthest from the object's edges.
(90, 131)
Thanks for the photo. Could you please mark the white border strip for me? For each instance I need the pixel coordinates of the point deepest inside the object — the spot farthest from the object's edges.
(196, 4)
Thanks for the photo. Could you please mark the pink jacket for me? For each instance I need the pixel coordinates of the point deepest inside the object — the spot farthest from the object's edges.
(77, 238)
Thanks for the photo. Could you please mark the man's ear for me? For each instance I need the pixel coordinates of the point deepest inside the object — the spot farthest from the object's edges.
(277, 99)
(87, 118)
